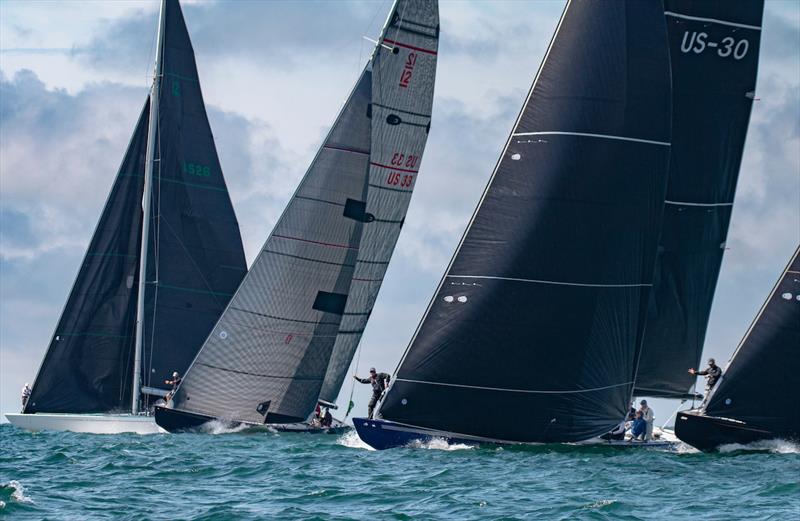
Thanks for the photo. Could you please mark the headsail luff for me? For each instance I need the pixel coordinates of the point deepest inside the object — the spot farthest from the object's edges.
(403, 76)
(535, 329)
(757, 386)
(88, 363)
(196, 258)
(714, 47)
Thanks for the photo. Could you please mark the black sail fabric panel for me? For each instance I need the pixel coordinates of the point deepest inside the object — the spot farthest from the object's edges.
(402, 87)
(89, 363)
(758, 386)
(714, 48)
(195, 257)
(533, 334)
(265, 359)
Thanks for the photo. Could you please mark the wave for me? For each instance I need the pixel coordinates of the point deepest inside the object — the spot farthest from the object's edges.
(439, 444)
(13, 491)
(774, 446)
(222, 427)
(350, 439)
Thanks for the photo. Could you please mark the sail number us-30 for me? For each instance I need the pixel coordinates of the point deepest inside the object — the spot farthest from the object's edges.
(698, 42)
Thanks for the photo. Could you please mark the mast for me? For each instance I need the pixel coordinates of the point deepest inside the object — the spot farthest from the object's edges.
(146, 203)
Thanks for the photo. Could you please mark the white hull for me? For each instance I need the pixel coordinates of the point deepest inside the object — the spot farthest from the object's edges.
(87, 423)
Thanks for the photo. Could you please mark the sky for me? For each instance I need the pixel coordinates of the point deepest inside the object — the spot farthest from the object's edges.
(74, 76)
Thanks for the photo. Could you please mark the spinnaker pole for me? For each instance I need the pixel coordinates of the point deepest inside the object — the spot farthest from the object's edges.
(146, 204)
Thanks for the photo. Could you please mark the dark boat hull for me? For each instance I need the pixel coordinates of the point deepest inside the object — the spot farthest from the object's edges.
(709, 432)
(172, 420)
(381, 434)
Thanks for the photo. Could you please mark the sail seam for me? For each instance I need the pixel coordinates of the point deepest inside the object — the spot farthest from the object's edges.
(420, 114)
(389, 167)
(328, 244)
(275, 317)
(587, 134)
(345, 149)
(412, 47)
(528, 391)
(258, 374)
(558, 283)
(310, 259)
(683, 203)
(712, 20)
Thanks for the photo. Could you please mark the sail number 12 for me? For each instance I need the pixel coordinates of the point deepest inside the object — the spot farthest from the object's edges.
(408, 69)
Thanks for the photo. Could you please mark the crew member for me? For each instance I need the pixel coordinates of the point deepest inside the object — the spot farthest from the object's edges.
(712, 374)
(379, 383)
(648, 416)
(175, 382)
(26, 394)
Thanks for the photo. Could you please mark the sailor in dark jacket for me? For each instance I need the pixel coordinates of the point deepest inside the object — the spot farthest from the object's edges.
(712, 374)
(379, 383)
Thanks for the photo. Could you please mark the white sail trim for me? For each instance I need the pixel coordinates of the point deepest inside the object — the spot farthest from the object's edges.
(712, 20)
(684, 203)
(559, 283)
(587, 134)
(528, 391)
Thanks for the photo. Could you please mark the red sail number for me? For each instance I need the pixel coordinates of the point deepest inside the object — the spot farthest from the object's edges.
(408, 69)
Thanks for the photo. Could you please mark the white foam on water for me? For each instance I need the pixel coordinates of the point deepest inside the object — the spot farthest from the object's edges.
(439, 444)
(775, 446)
(19, 492)
(221, 427)
(350, 439)
(685, 448)
(600, 504)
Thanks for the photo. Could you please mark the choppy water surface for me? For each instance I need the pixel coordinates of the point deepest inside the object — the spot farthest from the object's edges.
(246, 475)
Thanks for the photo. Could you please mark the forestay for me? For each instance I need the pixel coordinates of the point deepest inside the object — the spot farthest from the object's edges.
(534, 332)
(758, 386)
(714, 49)
(403, 74)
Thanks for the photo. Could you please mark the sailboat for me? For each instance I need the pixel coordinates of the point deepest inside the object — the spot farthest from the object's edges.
(755, 398)
(161, 266)
(714, 50)
(290, 331)
(534, 331)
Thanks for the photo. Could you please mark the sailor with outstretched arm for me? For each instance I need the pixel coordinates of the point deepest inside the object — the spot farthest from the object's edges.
(712, 374)
(379, 381)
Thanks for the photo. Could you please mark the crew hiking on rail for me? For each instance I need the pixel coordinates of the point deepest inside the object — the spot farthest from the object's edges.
(379, 381)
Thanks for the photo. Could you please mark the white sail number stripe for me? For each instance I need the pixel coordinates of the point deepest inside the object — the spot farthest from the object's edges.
(529, 391)
(683, 203)
(535, 281)
(711, 20)
(586, 134)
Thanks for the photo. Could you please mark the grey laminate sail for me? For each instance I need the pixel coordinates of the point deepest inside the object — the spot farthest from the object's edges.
(266, 359)
(534, 332)
(403, 76)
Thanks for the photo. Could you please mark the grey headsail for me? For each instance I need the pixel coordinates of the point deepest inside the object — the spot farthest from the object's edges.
(88, 364)
(195, 256)
(535, 329)
(714, 47)
(265, 358)
(403, 75)
(758, 387)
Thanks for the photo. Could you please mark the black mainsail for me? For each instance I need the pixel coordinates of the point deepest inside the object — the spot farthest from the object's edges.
(535, 329)
(318, 273)
(755, 399)
(194, 255)
(714, 47)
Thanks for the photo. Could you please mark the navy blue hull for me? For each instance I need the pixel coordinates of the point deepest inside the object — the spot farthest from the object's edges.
(381, 434)
(708, 432)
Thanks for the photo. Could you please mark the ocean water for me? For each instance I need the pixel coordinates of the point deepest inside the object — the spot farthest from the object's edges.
(265, 475)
